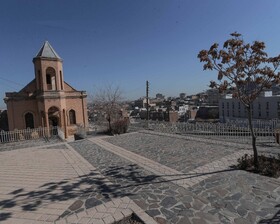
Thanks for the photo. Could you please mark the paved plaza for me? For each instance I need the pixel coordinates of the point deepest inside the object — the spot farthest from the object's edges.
(161, 178)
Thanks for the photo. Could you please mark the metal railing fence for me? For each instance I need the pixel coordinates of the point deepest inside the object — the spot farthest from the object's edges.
(230, 131)
(28, 134)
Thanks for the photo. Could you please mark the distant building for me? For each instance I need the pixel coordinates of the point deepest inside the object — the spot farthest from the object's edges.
(212, 97)
(138, 103)
(47, 100)
(173, 116)
(159, 96)
(192, 113)
(194, 97)
(275, 90)
(141, 103)
(182, 96)
(205, 113)
(164, 115)
(183, 110)
(266, 106)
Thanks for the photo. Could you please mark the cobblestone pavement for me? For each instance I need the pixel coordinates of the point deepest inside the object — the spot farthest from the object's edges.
(55, 184)
(182, 179)
(241, 197)
(41, 185)
(231, 196)
(180, 154)
(263, 147)
(144, 188)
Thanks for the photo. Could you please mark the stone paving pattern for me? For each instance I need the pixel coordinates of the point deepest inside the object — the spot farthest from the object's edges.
(41, 184)
(170, 203)
(31, 181)
(263, 147)
(180, 154)
(240, 197)
(38, 184)
(182, 179)
(113, 211)
(144, 188)
(53, 183)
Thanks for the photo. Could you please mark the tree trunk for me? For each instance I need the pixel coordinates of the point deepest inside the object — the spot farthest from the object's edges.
(256, 161)
(110, 127)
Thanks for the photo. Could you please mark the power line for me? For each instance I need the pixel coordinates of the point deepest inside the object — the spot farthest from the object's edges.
(7, 80)
(10, 87)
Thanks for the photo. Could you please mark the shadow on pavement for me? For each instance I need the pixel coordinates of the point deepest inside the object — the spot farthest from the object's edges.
(5, 216)
(97, 189)
(133, 176)
(57, 192)
(275, 219)
(127, 176)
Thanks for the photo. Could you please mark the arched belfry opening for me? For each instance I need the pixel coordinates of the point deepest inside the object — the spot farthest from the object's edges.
(51, 78)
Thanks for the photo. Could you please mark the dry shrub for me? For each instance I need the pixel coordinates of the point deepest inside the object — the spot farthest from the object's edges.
(268, 166)
(120, 126)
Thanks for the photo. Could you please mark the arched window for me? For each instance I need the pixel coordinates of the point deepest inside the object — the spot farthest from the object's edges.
(50, 79)
(29, 120)
(72, 117)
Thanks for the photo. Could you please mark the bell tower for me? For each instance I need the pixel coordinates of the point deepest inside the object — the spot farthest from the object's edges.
(50, 87)
(48, 69)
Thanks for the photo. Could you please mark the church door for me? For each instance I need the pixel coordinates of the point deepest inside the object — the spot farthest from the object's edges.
(29, 120)
(53, 121)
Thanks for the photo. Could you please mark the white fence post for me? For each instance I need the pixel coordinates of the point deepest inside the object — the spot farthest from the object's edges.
(26, 134)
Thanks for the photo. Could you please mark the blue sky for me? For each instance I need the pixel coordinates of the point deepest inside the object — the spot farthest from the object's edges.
(126, 42)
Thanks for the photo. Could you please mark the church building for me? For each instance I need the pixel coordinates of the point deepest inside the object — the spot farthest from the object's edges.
(47, 100)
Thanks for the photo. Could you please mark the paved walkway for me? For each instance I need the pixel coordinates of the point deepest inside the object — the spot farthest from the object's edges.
(211, 193)
(161, 178)
(34, 182)
(39, 184)
(169, 174)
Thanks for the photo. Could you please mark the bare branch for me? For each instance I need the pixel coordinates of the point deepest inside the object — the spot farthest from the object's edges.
(107, 102)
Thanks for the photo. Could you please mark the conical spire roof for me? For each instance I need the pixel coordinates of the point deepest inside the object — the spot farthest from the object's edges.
(47, 51)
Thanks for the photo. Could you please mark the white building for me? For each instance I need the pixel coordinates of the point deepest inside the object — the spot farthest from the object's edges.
(183, 110)
(266, 106)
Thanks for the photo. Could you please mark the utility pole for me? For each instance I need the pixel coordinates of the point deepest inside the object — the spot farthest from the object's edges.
(147, 102)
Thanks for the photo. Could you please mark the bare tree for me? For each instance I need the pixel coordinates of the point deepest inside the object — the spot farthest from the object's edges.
(107, 102)
(244, 68)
